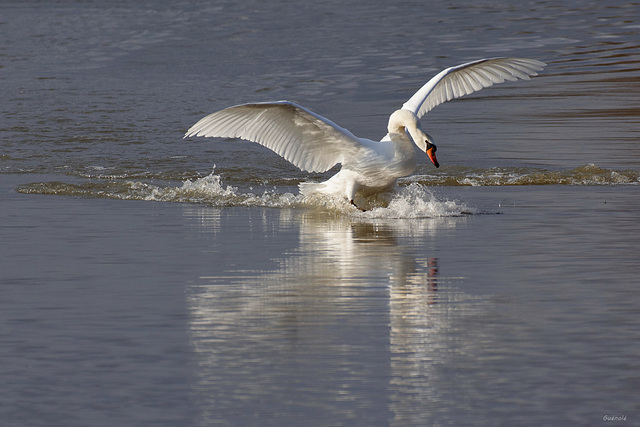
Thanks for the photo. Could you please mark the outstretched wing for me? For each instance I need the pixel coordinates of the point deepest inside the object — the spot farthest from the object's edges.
(308, 140)
(464, 79)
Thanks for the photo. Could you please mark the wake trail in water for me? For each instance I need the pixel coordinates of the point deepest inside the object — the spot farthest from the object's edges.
(414, 197)
(409, 201)
(412, 201)
(589, 174)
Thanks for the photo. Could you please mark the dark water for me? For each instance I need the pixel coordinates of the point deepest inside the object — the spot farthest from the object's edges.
(141, 285)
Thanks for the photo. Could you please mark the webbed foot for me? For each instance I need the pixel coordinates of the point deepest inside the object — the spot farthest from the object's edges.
(359, 208)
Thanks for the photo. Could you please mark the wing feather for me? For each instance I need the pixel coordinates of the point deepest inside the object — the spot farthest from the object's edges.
(464, 79)
(308, 140)
(476, 81)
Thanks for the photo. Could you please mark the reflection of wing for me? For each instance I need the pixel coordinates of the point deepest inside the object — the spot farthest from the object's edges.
(308, 140)
(464, 79)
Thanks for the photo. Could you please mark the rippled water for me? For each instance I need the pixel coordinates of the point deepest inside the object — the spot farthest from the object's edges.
(152, 280)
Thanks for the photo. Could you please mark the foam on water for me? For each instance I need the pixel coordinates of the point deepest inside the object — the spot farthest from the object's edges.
(414, 197)
(418, 201)
(411, 201)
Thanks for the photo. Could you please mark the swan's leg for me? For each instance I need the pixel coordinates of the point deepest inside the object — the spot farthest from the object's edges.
(354, 204)
(350, 188)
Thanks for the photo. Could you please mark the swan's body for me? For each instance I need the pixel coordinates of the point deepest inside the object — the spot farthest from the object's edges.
(316, 144)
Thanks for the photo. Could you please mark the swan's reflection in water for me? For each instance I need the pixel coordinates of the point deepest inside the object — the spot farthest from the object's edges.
(347, 326)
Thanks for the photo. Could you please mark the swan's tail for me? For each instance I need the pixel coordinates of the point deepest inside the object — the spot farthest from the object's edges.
(310, 188)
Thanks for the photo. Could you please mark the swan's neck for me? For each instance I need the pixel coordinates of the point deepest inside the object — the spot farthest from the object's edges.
(404, 156)
(402, 122)
(402, 144)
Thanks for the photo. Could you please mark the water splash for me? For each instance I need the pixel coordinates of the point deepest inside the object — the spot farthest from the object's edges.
(411, 201)
(415, 197)
(418, 201)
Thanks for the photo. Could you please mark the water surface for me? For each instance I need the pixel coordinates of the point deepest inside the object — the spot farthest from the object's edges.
(151, 280)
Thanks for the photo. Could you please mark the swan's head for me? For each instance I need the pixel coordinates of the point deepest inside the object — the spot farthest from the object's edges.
(406, 121)
(430, 148)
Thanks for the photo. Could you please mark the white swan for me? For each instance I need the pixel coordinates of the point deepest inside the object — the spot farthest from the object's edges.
(316, 144)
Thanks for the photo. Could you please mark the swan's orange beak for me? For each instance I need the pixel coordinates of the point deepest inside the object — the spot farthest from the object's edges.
(432, 156)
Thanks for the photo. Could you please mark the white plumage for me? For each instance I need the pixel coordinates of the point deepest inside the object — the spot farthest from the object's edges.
(316, 144)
